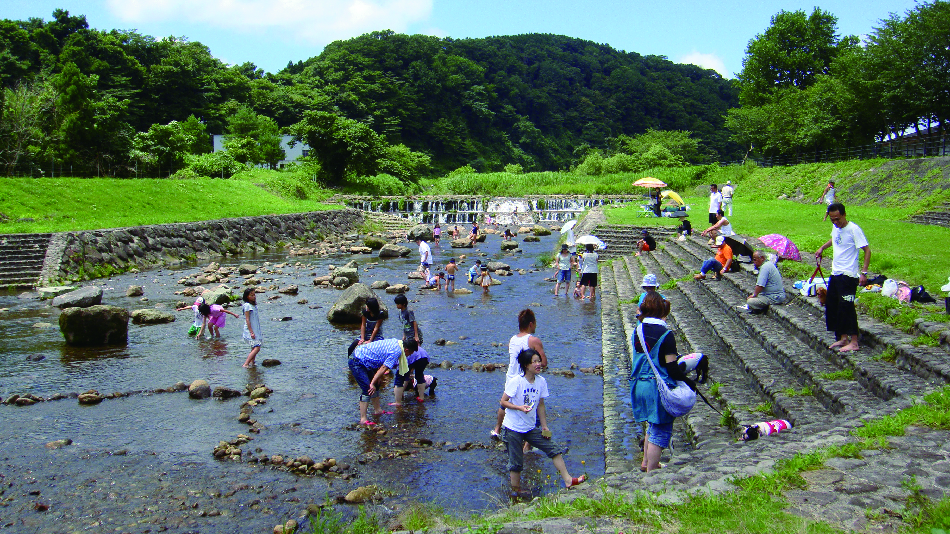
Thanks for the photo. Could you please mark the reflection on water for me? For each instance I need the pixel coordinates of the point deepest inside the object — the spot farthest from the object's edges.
(314, 404)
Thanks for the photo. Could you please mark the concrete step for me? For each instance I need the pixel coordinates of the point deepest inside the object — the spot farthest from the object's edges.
(21, 258)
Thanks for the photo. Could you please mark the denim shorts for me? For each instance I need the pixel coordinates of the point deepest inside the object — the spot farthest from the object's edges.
(361, 374)
(514, 441)
(660, 435)
(564, 275)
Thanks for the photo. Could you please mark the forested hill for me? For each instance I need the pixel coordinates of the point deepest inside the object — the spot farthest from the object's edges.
(537, 99)
(120, 103)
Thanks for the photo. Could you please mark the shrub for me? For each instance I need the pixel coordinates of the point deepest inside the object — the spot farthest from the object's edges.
(514, 168)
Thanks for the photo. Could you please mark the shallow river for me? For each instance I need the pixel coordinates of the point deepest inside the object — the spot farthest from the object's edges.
(162, 438)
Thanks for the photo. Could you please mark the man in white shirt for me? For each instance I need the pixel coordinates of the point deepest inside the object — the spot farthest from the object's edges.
(727, 192)
(715, 202)
(425, 254)
(840, 316)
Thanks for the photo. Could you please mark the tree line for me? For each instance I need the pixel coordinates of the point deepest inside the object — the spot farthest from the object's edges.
(804, 88)
(118, 103)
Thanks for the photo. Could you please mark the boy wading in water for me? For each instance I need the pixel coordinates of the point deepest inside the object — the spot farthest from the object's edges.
(252, 325)
(523, 402)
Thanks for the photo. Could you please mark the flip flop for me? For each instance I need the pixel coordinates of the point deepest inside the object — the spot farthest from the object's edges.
(419, 400)
(578, 480)
(393, 404)
(368, 423)
(385, 413)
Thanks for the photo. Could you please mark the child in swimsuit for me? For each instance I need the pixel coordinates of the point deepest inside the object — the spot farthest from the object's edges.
(450, 274)
(485, 279)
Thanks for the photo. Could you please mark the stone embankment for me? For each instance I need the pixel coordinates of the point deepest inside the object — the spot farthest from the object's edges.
(768, 366)
(75, 254)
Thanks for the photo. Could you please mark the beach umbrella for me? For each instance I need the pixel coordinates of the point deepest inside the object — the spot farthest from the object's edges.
(592, 240)
(649, 181)
(739, 246)
(672, 194)
(782, 245)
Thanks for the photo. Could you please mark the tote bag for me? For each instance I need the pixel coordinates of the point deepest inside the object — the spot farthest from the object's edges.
(677, 401)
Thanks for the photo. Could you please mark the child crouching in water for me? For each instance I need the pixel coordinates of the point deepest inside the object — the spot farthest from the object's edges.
(523, 402)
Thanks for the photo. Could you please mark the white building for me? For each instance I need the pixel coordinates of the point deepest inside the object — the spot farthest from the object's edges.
(292, 152)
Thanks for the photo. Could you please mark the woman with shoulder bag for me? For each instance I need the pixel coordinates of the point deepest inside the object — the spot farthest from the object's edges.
(647, 407)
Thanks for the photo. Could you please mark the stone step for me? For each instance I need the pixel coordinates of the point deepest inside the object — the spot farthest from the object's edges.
(702, 422)
(21, 258)
(799, 358)
(929, 363)
(768, 376)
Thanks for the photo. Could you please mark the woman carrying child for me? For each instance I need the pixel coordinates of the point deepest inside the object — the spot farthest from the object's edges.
(213, 317)
(661, 350)
(371, 324)
(526, 421)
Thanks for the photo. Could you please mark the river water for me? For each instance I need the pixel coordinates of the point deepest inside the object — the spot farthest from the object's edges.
(142, 449)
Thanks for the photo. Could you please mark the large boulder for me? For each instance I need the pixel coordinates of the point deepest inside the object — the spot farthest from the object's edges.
(531, 239)
(351, 275)
(151, 316)
(81, 298)
(498, 266)
(420, 230)
(135, 291)
(347, 309)
(54, 291)
(247, 269)
(395, 289)
(540, 230)
(509, 245)
(394, 251)
(95, 326)
(218, 295)
(374, 242)
(462, 242)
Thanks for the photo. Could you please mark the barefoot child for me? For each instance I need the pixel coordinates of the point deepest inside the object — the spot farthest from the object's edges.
(474, 271)
(212, 318)
(523, 402)
(436, 234)
(484, 279)
(252, 325)
(410, 328)
(450, 270)
(196, 325)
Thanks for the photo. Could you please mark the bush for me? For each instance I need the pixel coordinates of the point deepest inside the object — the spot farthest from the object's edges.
(514, 168)
(380, 185)
(213, 165)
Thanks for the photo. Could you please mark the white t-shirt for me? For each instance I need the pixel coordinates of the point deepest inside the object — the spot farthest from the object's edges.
(727, 192)
(425, 253)
(515, 346)
(715, 202)
(523, 393)
(845, 243)
(589, 263)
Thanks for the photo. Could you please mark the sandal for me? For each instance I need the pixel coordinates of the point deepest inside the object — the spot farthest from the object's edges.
(577, 481)
(367, 423)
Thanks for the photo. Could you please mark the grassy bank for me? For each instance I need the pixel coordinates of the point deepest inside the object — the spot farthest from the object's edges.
(63, 204)
(899, 249)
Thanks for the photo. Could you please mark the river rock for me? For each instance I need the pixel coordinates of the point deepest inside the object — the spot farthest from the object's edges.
(59, 444)
(54, 291)
(420, 231)
(341, 282)
(379, 284)
(509, 245)
(224, 393)
(360, 250)
(462, 242)
(374, 242)
(83, 297)
(135, 291)
(397, 288)
(525, 230)
(416, 275)
(95, 326)
(351, 274)
(531, 239)
(539, 230)
(361, 494)
(289, 290)
(259, 393)
(151, 316)
(394, 251)
(270, 362)
(218, 295)
(90, 397)
(35, 358)
(348, 307)
(498, 266)
(462, 291)
(247, 269)
(199, 389)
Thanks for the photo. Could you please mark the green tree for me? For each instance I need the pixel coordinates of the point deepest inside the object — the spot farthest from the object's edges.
(164, 147)
(28, 125)
(253, 138)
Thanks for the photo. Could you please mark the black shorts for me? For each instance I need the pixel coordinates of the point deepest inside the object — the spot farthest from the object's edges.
(589, 279)
(712, 218)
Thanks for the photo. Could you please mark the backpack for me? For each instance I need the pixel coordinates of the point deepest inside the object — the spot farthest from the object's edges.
(919, 294)
(677, 401)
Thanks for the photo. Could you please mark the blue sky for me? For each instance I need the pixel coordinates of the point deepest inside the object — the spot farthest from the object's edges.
(270, 33)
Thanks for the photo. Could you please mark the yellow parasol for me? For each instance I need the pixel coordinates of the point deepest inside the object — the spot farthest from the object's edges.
(674, 196)
(649, 181)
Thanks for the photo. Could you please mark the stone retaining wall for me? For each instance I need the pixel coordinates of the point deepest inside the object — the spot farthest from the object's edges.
(74, 254)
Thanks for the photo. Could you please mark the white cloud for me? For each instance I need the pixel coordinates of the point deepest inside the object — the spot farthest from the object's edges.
(312, 21)
(706, 61)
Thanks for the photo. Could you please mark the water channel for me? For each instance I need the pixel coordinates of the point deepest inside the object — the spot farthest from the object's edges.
(146, 442)
(507, 210)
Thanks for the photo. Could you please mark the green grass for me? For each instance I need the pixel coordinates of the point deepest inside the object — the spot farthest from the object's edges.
(792, 392)
(844, 374)
(765, 408)
(65, 204)
(888, 355)
(671, 284)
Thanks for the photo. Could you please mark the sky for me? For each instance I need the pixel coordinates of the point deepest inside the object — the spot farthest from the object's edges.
(271, 33)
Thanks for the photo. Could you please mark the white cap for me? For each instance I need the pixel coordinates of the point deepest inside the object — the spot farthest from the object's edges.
(720, 240)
